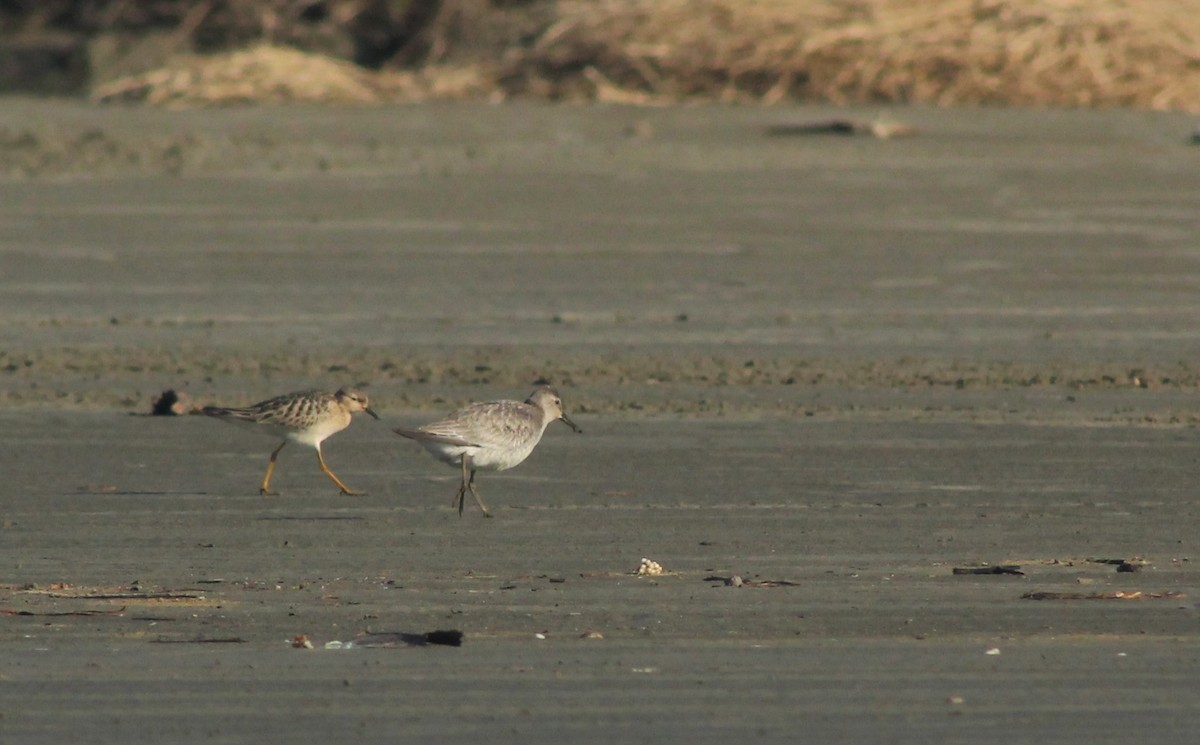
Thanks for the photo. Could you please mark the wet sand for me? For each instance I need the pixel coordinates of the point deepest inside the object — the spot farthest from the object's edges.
(835, 367)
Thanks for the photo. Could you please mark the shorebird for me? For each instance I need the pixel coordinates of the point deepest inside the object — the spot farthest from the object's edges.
(306, 417)
(491, 435)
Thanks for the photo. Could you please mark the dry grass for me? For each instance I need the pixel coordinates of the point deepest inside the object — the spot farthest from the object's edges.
(1129, 53)
(275, 75)
(1139, 53)
(262, 74)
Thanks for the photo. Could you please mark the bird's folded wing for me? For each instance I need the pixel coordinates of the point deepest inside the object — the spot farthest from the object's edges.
(227, 413)
(443, 438)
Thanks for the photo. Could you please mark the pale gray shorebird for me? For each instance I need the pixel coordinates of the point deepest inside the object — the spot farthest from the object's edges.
(492, 436)
(306, 417)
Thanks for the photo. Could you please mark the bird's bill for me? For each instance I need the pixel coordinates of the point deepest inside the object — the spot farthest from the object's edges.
(570, 424)
(369, 411)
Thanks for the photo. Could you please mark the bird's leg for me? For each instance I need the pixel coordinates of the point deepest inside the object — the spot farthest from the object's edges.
(345, 489)
(265, 489)
(462, 490)
(475, 493)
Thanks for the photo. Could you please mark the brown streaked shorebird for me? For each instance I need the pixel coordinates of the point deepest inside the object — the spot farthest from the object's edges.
(306, 417)
(492, 436)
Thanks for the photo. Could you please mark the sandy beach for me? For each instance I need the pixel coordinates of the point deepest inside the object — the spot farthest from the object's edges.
(837, 368)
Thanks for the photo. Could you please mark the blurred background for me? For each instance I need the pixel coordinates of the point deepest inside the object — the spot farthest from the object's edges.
(184, 53)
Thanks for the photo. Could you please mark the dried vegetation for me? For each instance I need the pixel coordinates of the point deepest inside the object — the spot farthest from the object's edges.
(1128, 53)
(946, 52)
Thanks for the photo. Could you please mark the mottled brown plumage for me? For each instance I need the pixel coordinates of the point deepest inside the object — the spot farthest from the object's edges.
(306, 417)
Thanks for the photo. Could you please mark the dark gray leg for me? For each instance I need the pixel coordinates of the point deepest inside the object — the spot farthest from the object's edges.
(475, 493)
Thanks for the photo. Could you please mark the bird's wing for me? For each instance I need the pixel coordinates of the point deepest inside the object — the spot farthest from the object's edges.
(479, 424)
(499, 422)
(421, 435)
(226, 412)
(281, 410)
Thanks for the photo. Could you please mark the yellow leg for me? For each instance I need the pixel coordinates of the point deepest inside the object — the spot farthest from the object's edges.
(345, 489)
(265, 489)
